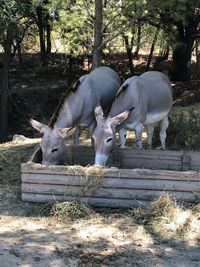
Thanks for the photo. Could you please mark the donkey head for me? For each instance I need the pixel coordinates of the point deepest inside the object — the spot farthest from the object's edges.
(104, 134)
(54, 150)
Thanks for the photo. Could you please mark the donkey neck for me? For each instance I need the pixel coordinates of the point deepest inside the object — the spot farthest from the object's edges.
(127, 98)
(119, 105)
(70, 113)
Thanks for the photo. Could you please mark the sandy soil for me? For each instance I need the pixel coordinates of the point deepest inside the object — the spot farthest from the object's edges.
(108, 238)
(27, 239)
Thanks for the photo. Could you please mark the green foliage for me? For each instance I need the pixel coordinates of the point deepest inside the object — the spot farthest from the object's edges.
(75, 23)
(15, 12)
(184, 127)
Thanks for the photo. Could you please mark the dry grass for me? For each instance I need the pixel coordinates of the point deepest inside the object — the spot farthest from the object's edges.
(12, 154)
(170, 220)
(71, 210)
(90, 176)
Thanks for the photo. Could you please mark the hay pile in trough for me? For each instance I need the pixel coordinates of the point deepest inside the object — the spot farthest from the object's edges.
(90, 176)
(170, 220)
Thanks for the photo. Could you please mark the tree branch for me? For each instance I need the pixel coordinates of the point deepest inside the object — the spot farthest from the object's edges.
(89, 11)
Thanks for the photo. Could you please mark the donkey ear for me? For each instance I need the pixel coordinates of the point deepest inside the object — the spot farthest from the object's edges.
(98, 113)
(119, 118)
(38, 126)
(64, 132)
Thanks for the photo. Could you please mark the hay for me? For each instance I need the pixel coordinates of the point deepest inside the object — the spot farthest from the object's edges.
(90, 176)
(71, 210)
(11, 158)
(169, 220)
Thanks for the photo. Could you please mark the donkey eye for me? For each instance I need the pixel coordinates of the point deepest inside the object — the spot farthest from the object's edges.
(54, 150)
(109, 139)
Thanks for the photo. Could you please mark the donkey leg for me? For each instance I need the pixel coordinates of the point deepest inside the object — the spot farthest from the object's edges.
(75, 138)
(122, 138)
(138, 132)
(163, 127)
(150, 131)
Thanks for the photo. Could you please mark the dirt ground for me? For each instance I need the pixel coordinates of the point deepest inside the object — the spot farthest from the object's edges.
(31, 236)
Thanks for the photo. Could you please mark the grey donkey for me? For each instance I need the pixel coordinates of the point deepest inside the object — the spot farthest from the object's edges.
(76, 109)
(141, 102)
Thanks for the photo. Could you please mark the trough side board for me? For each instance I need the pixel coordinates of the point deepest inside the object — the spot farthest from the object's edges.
(128, 158)
(118, 187)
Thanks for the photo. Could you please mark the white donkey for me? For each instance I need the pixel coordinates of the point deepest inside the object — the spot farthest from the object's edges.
(141, 101)
(76, 109)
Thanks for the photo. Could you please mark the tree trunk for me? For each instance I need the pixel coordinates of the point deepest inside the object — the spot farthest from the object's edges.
(138, 43)
(19, 54)
(48, 30)
(152, 48)
(98, 21)
(182, 51)
(40, 23)
(5, 83)
(129, 48)
(196, 74)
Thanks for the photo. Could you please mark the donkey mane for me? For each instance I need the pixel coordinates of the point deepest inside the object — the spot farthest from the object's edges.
(121, 91)
(72, 89)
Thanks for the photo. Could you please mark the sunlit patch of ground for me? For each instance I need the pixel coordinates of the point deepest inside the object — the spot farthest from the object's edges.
(26, 141)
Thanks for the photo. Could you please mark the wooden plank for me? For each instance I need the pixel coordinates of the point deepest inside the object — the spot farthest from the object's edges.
(186, 161)
(108, 192)
(96, 202)
(107, 182)
(115, 172)
(150, 154)
(152, 161)
(194, 167)
(155, 174)
(85, 155)
(151, 164)
(194, 160)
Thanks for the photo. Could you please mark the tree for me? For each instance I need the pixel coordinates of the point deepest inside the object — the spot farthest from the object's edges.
(182, 49)
(152, 48)
(42, 18)
(98, 22)
(90, 26)
(180, 21)
(11, 19)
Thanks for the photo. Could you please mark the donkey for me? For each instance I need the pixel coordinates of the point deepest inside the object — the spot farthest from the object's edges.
(76, 108)
(140, 102)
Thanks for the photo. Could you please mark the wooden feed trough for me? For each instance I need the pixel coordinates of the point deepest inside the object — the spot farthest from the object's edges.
(155, 173)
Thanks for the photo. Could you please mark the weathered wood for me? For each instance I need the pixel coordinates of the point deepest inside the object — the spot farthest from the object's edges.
(194, 160)
(96, 202)
(117, 193)
(115, 172)
(134, 158)
(151, 164)
(186, 162)
(108, 182)
(150, 153)
(124, 187)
